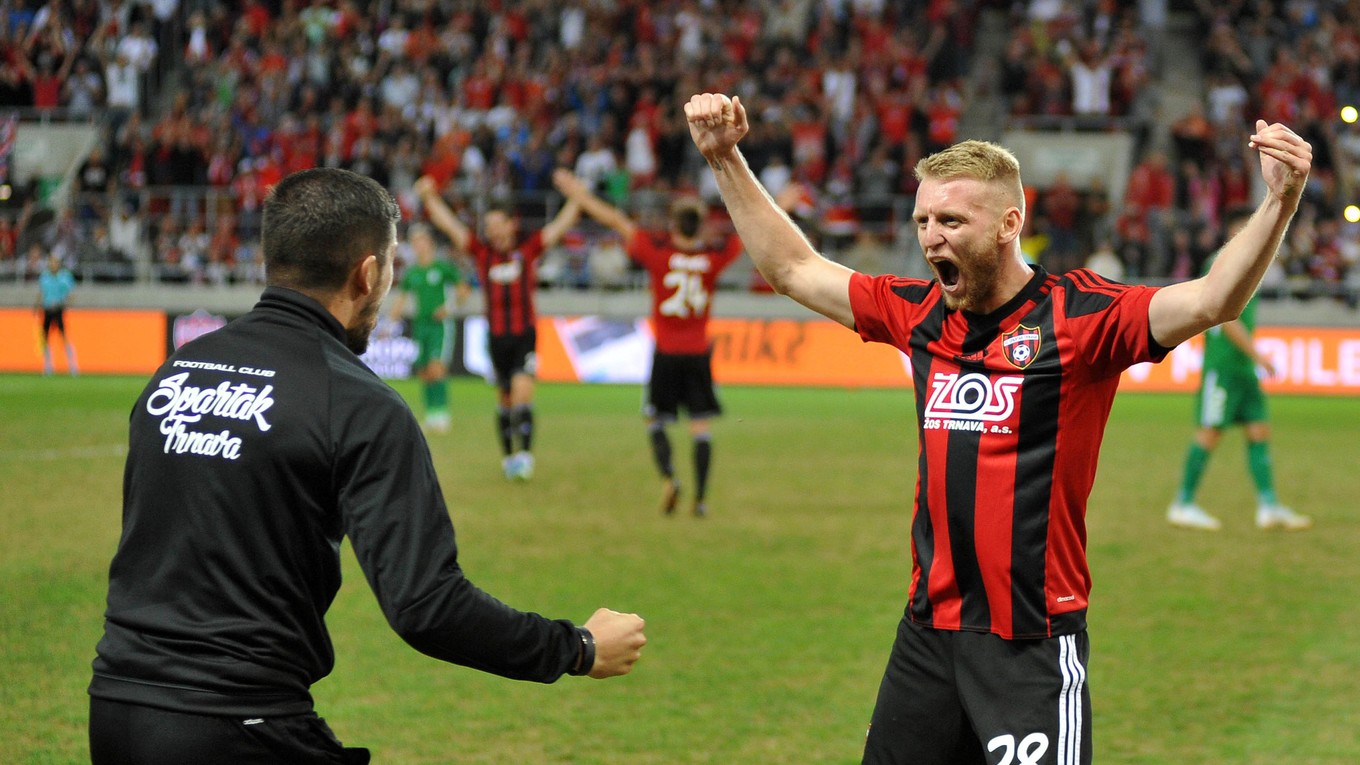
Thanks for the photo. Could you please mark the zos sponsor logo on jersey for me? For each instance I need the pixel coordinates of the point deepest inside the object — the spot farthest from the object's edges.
(971, 402)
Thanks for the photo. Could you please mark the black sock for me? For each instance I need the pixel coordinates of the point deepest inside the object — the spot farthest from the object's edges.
(703, 457)
(661, 449)
(524, 425)
(504, 430)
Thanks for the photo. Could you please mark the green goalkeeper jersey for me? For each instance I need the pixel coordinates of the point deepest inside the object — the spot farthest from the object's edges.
(429, 286)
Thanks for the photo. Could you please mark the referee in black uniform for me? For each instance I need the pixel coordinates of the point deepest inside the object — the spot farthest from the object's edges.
(252, 452)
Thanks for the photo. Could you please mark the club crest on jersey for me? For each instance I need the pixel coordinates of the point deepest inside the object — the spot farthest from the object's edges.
(1020, 346)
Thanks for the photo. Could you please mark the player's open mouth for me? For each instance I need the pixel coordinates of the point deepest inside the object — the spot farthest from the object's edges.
(947, 272)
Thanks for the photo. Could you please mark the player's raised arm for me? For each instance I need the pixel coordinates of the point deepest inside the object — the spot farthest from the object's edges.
(1181, 311)
(561, 222)
(781, 252)
(440, 214)
(574, 188)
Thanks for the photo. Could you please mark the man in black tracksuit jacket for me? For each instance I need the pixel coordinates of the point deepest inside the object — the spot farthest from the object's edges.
(252, 452)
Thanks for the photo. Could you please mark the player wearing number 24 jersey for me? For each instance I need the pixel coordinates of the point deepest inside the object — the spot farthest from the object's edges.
(683, 270)
(682, 285)
(1015, 371)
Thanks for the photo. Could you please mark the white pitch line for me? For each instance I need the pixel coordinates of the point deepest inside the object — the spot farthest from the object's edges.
(63, 453)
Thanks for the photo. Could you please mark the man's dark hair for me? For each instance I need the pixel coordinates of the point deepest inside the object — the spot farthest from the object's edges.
(503, 206)
(687, 216)
(318, 224)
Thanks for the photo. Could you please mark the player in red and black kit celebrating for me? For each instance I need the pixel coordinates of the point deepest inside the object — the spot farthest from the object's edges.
(1015, 372)
(684, 271)
(505, 267)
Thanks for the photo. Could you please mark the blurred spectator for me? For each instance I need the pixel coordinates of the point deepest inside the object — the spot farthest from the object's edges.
(9, 241)
(137, 47)
(1227, 99)
(167, 253)
(596, 162)
(1198, 198)
(1060, 204)
(1193, 136)
(640, 152)
(82, 91)
(93, 180)
(1092, 73)
(868, 254)
(1104, 261)
(776, 175)
(1148, 200)
(876, 182)
(123, 88)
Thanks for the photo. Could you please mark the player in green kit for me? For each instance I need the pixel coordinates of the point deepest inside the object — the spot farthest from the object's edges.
(427, 280)
(1230, 394)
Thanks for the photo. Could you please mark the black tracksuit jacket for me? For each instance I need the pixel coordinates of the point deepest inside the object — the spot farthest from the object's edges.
(251, 453)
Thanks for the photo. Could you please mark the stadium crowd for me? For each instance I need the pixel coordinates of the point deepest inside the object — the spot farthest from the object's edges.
(1089, 66)
(210, 102)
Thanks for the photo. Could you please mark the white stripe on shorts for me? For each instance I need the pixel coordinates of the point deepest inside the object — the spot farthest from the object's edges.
(1069, 702)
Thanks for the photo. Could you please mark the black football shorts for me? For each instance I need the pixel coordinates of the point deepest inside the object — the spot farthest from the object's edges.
(681, 380)
(970, 698)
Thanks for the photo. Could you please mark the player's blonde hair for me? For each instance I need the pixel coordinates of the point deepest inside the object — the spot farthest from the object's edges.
(978, 160)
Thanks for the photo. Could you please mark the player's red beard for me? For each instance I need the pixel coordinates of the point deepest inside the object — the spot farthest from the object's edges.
(979, 270)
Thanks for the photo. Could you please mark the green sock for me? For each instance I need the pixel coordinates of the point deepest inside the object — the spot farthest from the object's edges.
(436, 397)
(1196, 459)
(1258, 461)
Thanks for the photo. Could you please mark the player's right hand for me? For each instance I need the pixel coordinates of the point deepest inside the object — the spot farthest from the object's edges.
(716, 122)
(618, 642)
(567, 182)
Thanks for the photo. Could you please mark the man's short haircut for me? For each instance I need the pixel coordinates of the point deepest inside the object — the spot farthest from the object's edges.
(687, 215)
(978, 160)
(320, 223)
(503, 206)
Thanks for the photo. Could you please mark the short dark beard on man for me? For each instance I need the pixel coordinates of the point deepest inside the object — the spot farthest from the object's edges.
(356, 337)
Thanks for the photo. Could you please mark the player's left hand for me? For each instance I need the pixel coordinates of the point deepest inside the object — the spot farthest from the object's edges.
(1285, 159)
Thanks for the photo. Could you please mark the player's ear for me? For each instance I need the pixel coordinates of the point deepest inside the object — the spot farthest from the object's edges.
(1012, 222)
(366, 276)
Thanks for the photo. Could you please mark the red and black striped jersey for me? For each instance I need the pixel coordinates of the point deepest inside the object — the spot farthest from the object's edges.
(508, 282)
(682, 284)
(1012, 406)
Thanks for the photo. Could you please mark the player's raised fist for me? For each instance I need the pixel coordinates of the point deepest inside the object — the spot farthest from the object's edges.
(716, 122)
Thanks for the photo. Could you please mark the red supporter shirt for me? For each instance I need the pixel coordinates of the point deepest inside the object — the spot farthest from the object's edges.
(1011, 407)
(508, 283)
(682, 289)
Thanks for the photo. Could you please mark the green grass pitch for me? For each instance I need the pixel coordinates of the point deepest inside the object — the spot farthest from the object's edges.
(769, 621)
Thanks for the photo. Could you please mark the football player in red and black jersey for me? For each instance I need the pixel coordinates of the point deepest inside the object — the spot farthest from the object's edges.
(506, 268)
(1015, 372)
(683, 268)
